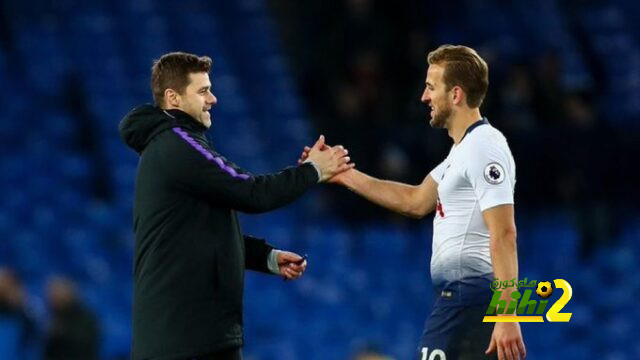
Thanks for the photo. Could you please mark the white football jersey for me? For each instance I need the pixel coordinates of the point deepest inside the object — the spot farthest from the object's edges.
(479, 173)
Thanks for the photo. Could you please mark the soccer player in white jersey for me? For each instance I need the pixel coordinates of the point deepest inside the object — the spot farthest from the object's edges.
(474, 232)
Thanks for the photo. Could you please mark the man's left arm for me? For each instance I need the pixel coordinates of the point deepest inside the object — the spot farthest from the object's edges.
(256, 254)
(506, 337)
(262, 257)
(504, 252)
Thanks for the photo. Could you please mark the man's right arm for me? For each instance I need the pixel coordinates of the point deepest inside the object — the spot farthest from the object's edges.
(414, 201)
(196, 170)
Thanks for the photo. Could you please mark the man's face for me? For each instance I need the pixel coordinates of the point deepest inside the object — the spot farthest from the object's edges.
(60, 294)
(197, 99)
(436, 97)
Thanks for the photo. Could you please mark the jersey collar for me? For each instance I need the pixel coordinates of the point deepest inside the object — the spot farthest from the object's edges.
(482, 121)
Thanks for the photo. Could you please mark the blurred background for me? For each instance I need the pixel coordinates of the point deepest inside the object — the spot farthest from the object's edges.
(565, 90)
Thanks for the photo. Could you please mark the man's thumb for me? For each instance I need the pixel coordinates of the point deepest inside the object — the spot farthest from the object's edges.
(492, 346)
(320, 143)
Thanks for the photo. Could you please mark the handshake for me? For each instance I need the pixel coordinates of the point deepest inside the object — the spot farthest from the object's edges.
(330, 161)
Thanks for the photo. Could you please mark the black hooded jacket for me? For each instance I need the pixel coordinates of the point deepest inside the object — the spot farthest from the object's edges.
(190, 253)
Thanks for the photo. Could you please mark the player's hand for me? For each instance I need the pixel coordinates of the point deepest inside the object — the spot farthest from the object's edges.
(336, 179)
(291, 265)
(305, 153)
(330, 161)
(507, 339)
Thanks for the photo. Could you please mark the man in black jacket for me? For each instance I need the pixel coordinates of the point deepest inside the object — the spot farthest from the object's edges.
(190, 253)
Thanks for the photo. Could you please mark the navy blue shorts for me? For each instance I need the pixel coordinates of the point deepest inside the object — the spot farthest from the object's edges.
(454, 330)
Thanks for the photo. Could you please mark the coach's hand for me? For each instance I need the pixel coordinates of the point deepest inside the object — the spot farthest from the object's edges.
(507, 338)
(324, 147)
(330, 161)
(290, 265)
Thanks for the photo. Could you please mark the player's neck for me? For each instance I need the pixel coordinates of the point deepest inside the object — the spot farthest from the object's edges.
(460, 122)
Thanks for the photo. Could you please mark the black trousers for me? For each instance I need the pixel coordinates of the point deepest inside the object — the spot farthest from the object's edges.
(227, 354)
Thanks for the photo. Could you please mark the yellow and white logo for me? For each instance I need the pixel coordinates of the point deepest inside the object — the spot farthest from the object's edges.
(522, 308)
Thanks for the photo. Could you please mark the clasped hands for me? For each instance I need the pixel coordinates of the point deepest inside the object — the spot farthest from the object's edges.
(331, 161)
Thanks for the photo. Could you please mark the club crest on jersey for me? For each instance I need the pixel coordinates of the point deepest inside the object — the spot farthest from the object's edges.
(494, 173)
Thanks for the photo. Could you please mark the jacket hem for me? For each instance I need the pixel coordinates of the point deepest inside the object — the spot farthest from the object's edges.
(196, 352)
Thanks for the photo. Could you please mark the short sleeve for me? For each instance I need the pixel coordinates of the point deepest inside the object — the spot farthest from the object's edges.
(491, 171)
(438, 172)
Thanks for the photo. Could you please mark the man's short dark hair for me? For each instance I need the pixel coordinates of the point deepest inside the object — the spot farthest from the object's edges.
(172, 71)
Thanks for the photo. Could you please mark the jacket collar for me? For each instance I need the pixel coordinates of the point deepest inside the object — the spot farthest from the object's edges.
(185, 120)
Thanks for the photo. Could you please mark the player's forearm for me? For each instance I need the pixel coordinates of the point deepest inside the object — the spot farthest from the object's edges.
(395, 196)
(504, 256)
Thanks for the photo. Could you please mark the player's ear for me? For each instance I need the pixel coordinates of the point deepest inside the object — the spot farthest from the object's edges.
(457, 95)
(172, 97)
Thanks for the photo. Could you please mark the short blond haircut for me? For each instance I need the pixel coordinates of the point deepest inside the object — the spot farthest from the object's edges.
(465, 68)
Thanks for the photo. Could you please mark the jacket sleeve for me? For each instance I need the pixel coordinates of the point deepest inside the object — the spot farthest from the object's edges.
(202, 172)
(256, 253)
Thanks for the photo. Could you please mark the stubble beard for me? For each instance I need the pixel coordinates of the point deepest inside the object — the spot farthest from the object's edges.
(206, 120)
(439, 120)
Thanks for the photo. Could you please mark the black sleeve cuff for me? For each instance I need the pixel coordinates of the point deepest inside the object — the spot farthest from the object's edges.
(257, 254)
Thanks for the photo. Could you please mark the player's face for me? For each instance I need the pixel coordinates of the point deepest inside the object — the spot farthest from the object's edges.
(197, 99)
(436, 97)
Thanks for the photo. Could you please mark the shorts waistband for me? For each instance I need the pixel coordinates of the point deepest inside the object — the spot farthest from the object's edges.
(472, 291)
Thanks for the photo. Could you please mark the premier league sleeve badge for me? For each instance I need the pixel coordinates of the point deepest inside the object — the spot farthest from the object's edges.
(494, 173)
